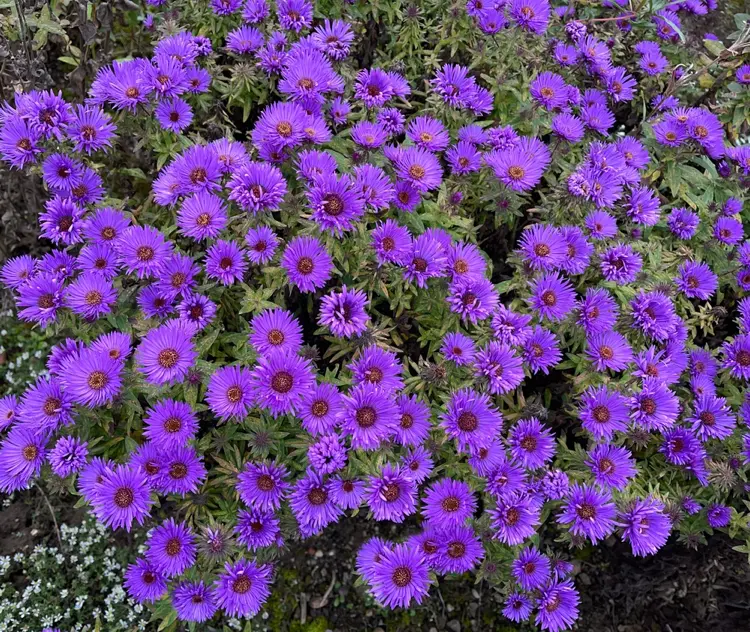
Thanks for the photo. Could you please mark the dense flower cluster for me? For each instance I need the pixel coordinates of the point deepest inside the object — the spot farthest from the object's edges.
(344, 217)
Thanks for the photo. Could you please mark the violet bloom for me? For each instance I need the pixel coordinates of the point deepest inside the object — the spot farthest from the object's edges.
(344, 312)
(531, 443)
(391, 242)
(557, 606)
(257, 187)
(400, 577)
(531, 569)
(225, 262)
(501, 367)
(448, 502)
(655, 407)
(312, 504)
(458, 348)
(280, 381)
(369, 415)
(590, 512)
(230, 392)
(391, 494)
(515, 518)
(307, 263)
(611, 466)
(165, 355)
(122, 497)
(541, 351)
(242, 589)
(645, 525)
(22, 453)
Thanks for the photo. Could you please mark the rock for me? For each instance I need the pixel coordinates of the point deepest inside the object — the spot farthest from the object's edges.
(454, 625)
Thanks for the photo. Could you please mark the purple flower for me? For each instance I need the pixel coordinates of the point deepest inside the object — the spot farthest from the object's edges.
(280, 381)
(459, 550)
(737, 356)
(391, 242)
(22, 454)
(712, 418)
(320, 408)
(181, 471)
(244, 40)
(728, 230)
(471, 419)
(174, 114)
(262, 243)
(568, 127)
(61, 221)
(328, 454)
(257, 187)
(548, 89)
(165, 355)
(500, 366)
(276, 330)
(515, 518)
(312, 504)
(683, 222)
(122, 497)
(552, 296)
(447, 503)
(521, 167)
(262, 486)
(530, 15)
(193, 601)
(144, 583)
(170, 424)
(531, 443)
(19, 142)
(242, 589)
(597, 311)
(307, 263)
(653, 313)
(257, 529)
(171, 548)
(225, 262)
(543, 247)
(603, 412)
(458, 348)
(39, 300)
(589, 511)
(230, 392)
(510, 328)
(419, 167)
(347, 493)
(655, 407)
(621, 264)
(68, 456)
(718, 515)
(531, 569)
(696, 280)
(143, 250)
(557, 606)
(601, 225)
(336, 203)
(344, 312)
(518, 607)
(378, 367)
(645, 525)
(541, 351)
(369, 415)
(400, 576)
(611, 466)
(391, 494)
(92, 378)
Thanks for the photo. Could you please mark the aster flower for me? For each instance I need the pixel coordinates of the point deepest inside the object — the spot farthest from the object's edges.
(458, 348)
(530, 15)
(142, 250)
(307, 263)
(485, 459)
(91, 296)
(196, 311)
(262, 243)
(257, 187)
(328, 454)
(589, 512)
(568, 127)
(557, 606)
(391, 242)
(520, 168)
(531, 444)
(193, 601)
(39, 300)
(737, 356)
(17, 271)
(378, 367)
(153, 303)
(609, 350)
(448, 502)
(8, 411)
(509, 327)
(262, 486)
(611, 466)
(22, 453)
(645, 525)
(515, 518)
(230, 392)
(19, 142)
(105, 226)
(225, 262)
(655, 407)
(181, 471)
(369, 415)
(276, 330)
(257, 529)
(680, 446)
(531, 569)
(174, 115)
(61, 222)
(202, 216)
(548, 90)
(718, 515)
(541, 351)
(470, 419)
(244, 40)
(552, 296)
(391, 494)
(242, 588)
(280, 381)
(144, 583)
(459, 550)
(472, 298)
(728, 230)
(712, 418)
(620, 264)
(597, 311)
(400, 577)
(92, 378)
(312, 504)
(170, 424)
(336, 202)
(414, 422)
(122, 497)
(518, 607)
(171, 548)
(165, 355)
(419, 167)
(426, 260)
(347, 493)
(344, 312)
(506, 479)
(319, 409)
(500, 366)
